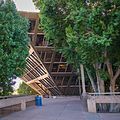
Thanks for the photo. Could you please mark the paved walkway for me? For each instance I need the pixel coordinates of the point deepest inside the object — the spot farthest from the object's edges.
(62, 108)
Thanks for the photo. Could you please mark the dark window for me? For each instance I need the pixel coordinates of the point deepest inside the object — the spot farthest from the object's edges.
(59, 80)
(32, 25)
(69, 68)
(47, 66)
(63, 59)
(48, 57)
(42, 56)
(73, 80)
(55, 68)
(40, 40)
(66, 80)
(57, 57)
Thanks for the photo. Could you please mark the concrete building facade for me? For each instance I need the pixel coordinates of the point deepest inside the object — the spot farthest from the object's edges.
(47, 71)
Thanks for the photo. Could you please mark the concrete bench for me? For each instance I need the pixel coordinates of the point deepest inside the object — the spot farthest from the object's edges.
(93, 100)
(15, 101)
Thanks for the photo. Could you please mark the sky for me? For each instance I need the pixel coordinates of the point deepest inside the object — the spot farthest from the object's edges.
(18, 81)
(25, 5)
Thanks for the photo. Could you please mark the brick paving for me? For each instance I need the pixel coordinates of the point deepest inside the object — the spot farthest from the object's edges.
(61, 108)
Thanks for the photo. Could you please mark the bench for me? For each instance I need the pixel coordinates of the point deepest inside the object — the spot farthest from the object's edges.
(16, 100)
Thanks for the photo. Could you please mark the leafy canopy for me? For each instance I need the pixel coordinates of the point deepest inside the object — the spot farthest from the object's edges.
(82, 30)
(13, 44)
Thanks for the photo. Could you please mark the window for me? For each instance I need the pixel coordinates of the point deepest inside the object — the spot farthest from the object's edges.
(57, 57)
(40, 40)
(69, 68)
(48, 57)
(32, 25)
(55, 68)
(62, 67)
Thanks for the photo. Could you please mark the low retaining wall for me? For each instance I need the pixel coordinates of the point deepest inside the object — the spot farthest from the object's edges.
(93, 100)
(10, 105)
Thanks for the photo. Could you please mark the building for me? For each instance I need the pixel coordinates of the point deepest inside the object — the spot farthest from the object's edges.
(47, 71)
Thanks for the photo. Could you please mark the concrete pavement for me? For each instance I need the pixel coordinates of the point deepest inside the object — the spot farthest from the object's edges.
(61, 108)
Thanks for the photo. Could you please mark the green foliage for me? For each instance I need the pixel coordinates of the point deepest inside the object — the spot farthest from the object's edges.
(104, 75)
(87, 28)
(84, 31)
(25, 90)
(13, 44)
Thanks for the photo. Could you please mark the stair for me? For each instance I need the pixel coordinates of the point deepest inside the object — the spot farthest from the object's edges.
(37, 76)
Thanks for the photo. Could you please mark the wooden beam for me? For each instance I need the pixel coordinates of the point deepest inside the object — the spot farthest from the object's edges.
(44, 48)
(52, 60)
(32, 87)
(65, 86)
(37, 79)
(61, 73)
(30, 15)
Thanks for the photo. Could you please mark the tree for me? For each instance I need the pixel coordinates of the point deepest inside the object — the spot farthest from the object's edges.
(13, 44)
(95, 25)
(25, 90)
(86, 32)
(52, 20)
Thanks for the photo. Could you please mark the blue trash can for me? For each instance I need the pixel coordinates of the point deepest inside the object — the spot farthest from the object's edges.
(38, 100)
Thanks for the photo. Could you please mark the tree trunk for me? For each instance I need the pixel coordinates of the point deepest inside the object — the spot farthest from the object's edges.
(113, 79)
(100, 82)
(102, 86)
(112, 85)
(79, 82)
(91, 80)
(83, 80)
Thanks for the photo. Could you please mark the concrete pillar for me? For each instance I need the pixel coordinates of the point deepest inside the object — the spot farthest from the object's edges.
(23, 105)
(91, 105)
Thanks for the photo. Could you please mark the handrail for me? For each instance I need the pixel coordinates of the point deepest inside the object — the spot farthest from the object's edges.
(106, 93)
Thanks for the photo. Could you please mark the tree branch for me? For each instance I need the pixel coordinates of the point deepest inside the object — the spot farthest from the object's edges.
(109, 67)
(116, 75)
